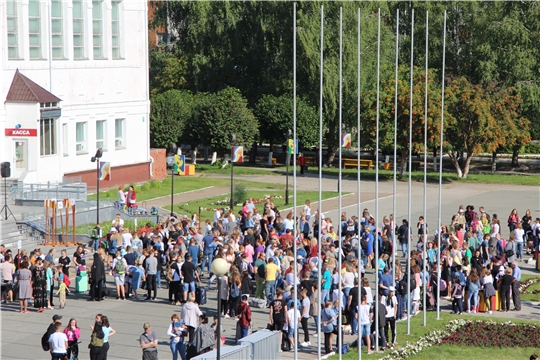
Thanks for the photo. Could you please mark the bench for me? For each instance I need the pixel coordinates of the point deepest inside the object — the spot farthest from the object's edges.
(310, 161)
(354, 163)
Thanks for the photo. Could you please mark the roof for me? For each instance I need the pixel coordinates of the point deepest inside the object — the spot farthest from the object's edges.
(23, 89)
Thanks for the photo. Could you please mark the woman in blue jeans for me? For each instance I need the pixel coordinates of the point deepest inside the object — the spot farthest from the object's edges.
(176, 333)
(473, 285)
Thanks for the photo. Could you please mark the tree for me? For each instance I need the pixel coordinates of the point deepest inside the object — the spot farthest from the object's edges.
(387, 113)
(275, 115)
(169, 114)
(167, 71)
(216, 116)
(480, 120)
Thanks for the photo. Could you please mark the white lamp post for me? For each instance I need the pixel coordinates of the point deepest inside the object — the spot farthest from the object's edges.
(219, 268)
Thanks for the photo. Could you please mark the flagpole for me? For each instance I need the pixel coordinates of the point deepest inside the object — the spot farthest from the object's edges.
(295, 149)
(440, 173)
(358, 181)
(340, 350)
(376, 237)
(425, 171)
(394, 243)
(319, 212)
(407, 258)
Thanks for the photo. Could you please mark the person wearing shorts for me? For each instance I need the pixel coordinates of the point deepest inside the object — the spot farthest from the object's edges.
(364, 319)
(190, 274)
(119, 275)
(278, 313)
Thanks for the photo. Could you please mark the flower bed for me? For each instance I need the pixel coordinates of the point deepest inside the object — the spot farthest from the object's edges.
(525, 285)
(473, 333)
(492, 334)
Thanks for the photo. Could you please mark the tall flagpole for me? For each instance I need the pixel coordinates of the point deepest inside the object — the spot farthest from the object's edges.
(358, 181)
(340, 242)
(425, 171)
(394, 242)
(376, 237)
(295, 147)
(319, 212)
(408, 258)
(440, 173)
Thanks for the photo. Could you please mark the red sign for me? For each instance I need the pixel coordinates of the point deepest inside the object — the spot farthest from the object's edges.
(21, 132)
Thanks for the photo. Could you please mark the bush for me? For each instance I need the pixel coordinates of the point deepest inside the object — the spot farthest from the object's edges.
(240, 193)
(145, 186)
(155, 184)
(530, 148)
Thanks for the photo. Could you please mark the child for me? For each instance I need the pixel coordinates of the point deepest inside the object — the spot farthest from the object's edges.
(62, 289)
(457, 295)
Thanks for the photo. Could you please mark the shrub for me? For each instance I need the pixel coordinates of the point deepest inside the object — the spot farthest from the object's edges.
(530, 148)
(155, 184)
(145, 186)
(240, 193)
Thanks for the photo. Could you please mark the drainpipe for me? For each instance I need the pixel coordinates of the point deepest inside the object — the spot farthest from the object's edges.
(151, 163)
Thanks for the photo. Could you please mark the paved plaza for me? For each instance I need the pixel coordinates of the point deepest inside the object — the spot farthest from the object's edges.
(21, 333)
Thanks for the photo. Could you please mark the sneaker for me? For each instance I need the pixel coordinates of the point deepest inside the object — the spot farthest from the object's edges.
(227, 316)
(474, 311)
(331, 353)
(123, 298)
(468, 311)
(118, 298)
(490, 312)
(304, 344)
(370, 352)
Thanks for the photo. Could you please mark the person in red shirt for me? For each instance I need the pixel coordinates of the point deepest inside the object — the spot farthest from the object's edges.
(244, 316)
(302, 163)
(286, 237)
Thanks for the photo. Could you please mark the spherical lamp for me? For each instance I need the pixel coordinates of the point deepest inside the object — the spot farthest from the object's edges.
(220, 267)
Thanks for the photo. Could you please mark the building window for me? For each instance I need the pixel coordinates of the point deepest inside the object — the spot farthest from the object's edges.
(101, 132)
(57, 30)
(115, 29)
(12, 30)
(34, 29)
(78, 30)
(97, 28)
(47, 133)
(119, 133)
(80, 137)
(65, 139)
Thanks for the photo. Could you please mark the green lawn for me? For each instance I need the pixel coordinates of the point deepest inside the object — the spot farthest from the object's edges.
(211, 203)
(446, 351)
(434, 176)
(106, 225)
(530, 297)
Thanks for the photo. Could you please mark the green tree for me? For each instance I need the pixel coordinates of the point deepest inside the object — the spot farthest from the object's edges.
(275, 115)
(169, 113)
(167, 71)
(218, 115)
(387, 113)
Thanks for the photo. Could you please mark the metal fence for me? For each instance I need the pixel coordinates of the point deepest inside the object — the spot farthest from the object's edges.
(264, 344)
(228, 353)
(68, 188)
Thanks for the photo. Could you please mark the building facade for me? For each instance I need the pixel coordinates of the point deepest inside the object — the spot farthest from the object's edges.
(74, 78)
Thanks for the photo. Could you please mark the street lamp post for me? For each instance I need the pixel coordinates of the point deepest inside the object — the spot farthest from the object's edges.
(95, 158)
(173, 149)
(233, 141)
(287, 160)
(219, 268)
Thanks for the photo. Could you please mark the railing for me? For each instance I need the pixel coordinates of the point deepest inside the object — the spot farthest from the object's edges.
(70, 188)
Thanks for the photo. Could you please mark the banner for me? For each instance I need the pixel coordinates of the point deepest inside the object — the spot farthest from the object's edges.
(292, 147)
(105, 170)
(346, 140)
(179, 163)
(237, 154)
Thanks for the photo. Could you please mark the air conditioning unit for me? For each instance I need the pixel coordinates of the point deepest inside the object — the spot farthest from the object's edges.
(80, 147)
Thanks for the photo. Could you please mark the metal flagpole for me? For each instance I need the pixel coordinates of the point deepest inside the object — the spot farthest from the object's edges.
(295, 149)
(376, 237)
(358, 183)
(440, 173)
(340, 242)
(408, 258)
(425, 173)
(394, 243)
(319, 212)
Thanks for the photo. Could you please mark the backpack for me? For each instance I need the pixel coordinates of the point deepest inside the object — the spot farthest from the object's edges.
(45, 341)
(169, 273)
(238, 261)
(363, 243)
(95, 233)
(401, 287)
(163, 258)
(235, 292)
(413, 282)
(120, 267)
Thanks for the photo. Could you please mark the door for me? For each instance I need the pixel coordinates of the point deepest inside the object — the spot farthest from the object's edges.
(21, 155)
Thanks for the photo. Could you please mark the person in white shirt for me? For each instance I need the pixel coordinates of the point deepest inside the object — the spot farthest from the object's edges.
(250, 205)
(58, 343)
(126, 238)
(292, 326)
(217, 215)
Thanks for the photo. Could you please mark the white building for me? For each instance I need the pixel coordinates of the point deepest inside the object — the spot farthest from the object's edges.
(74, 78)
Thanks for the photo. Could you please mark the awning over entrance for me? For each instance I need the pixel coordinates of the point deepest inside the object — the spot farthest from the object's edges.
(25, 90)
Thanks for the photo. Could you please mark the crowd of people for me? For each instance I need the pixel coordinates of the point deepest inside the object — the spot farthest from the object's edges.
(469, 255)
